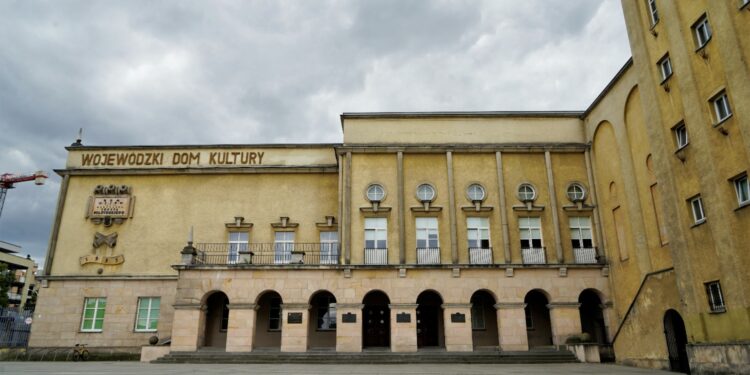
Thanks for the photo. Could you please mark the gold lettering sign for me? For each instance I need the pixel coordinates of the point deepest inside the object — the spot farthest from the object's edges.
(112, 206)
(113, 260)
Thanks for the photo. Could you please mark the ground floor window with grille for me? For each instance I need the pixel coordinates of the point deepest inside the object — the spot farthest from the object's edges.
(329, 247)
(274, 314)
(715, 297)
(93, 314)
(327, 314)
(147, 316)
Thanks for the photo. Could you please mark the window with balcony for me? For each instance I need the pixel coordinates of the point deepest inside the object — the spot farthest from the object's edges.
(147, 315)
(478, 234)
(532, 248)
(428, 245)
(715, 297)
(722, 110)
(742, 189)
(376, 240)
(653, 12)
(582, 240)
(93, 314)
(237, 243)
(696, 205)
(329, 247)
(702, 31)
(283, 246)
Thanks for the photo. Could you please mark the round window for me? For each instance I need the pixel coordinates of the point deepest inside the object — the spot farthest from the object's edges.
(475, 192)
(425, 193)
(526, 193)
(375, 193)
(576, 192)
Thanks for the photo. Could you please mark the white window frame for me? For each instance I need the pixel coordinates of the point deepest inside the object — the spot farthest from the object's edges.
(574, 190)
(473, 189)
(238, 241)
(150, 317)
(378, 228)
(742, 188)
(580, 231)
(425, 188)
(653, 11)
(283, 245)
(523, 190)
(100, 305)
(721, 102)
(530, 229)
(478, 230)
(375, 193)
(696, 206)
(665, 66)
(702, 31)
(426, 226)
(715, 297)
(681, 135)
(329, 247)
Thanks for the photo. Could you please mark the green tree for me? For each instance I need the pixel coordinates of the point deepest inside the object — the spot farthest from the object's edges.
(6, 280)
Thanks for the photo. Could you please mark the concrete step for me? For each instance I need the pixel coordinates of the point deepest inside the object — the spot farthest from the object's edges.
(201, 356)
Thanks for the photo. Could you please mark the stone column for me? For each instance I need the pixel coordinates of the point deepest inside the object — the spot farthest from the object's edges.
(188, 327)
(565, 319)
(404, 335)
(241, 327)
(511, 324)
(294, 335)
(349, 334)
(610, 319)
(458, 332)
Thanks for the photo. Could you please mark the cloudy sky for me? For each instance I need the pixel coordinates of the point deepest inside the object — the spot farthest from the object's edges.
(202, 72)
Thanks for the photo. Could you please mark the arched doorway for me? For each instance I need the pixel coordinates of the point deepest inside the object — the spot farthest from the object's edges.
(376, 320)
(430, 320)
(592, 316)
(217, 321)
(674, 330)
(484, 334)
(538, 326)
(321, 331)
(268, 322)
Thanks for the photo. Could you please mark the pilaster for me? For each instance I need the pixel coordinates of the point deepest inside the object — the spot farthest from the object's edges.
(403, 334)
(565, 319)
(294, 331)
(349, 333)
(457, 323)
(188, 326)
(511, 324)
(241, 327)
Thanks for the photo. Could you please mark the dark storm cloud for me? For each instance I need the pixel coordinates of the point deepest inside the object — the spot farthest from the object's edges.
(176, 72)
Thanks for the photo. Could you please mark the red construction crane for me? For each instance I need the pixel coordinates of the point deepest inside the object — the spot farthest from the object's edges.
(7, 180)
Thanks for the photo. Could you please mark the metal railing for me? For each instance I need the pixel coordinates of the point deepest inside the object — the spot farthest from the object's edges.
(14, 296)
(480, 255)
(266, 253)
(15, 327)
(534, 255)
(428, 255)
(585, 255)
(376, 256)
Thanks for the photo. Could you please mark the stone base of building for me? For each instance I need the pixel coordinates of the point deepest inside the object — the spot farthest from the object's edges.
(66, 354)
(732, 358)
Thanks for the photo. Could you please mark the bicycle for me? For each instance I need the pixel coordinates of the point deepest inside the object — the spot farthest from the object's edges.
(80, 353)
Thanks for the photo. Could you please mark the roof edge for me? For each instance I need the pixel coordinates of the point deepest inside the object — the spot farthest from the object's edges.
(609, 87)
(204, 146)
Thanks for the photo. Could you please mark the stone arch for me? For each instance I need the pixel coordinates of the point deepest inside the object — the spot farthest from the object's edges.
(591, 311)
(376, 320)
(430, 322)
(538, 322)
(215, 319)
(268, 320)
(321, 331)
(484, 325)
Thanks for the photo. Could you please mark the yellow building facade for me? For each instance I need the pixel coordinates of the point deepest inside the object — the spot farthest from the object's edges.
(504, 231)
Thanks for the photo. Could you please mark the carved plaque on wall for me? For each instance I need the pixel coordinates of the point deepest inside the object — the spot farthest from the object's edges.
(114, 206)
(403, 318)
(458, 318)
(294, 318)
(349, 318)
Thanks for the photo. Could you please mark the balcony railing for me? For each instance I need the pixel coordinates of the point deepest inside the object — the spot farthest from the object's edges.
(533, 255)
(480, 255)
(266, 253)
(376, 256)
(585, 255)
(428, 255)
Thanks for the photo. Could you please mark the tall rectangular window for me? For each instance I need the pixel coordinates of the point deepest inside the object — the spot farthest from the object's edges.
(715, 297)
(147, 316)
(477, 316)
(702, 31)
(329, 247)
(478, 232)
(93, 314)
(376, 233)
(665, 66)
(697, 206)
(653, 12)
(722, 110)
(283, 246)
(742, 189)
(681, 135)
(237, 242)
(274, 314)
(580, 233)
(427, 232)
(531, 232)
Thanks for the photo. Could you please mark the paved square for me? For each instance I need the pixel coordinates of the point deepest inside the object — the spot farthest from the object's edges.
(122, 368)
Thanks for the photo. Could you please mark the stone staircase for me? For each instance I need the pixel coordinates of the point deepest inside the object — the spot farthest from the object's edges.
(371, 357)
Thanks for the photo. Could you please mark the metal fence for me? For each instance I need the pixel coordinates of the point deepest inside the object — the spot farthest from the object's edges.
(428, 255)
(480, 255)
(533, 255)
(267, 253)
(15, 327)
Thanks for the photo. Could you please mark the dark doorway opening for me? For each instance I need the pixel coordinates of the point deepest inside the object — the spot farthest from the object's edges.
(321, 331)
(538, 325)
(674, 330)
(430, 320)
(592, 316)
(484, 333)
(268, 322)
(217, 321)
(376, 321)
